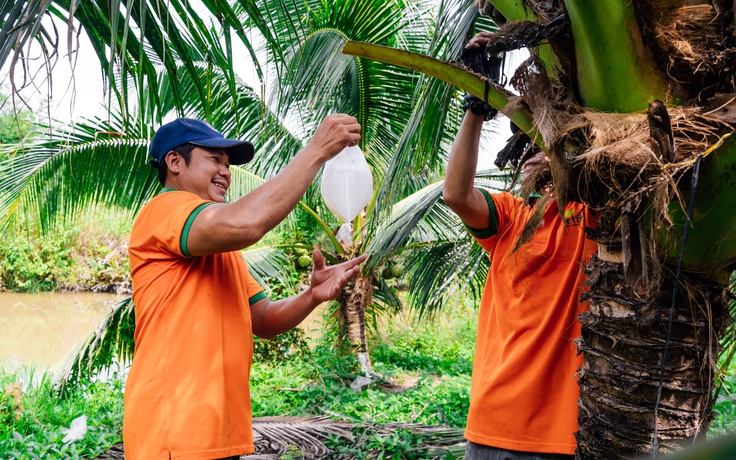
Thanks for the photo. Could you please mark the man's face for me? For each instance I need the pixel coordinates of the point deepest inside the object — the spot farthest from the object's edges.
(207, 175)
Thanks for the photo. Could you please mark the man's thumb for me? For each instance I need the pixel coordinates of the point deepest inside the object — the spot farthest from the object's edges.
(319, 259)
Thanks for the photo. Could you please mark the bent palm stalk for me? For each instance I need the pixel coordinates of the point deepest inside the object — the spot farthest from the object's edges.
(613, 59)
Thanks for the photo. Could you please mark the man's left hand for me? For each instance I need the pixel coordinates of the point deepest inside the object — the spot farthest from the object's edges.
(327, 282)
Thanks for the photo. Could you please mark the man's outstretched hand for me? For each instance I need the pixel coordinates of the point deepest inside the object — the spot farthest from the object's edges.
(327, 282)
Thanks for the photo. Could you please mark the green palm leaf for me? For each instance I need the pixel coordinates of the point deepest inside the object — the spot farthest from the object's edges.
(422, 217)
(111, 341)
(67, 171)
(441, 258)
(435, 116)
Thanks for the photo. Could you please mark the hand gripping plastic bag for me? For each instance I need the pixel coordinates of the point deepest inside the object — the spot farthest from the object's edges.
(347, 183)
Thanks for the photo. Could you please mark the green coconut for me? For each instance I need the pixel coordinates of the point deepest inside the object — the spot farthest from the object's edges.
(397, 270)
(304, 261)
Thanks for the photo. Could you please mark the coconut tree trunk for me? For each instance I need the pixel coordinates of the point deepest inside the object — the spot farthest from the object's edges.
(355, 298)
(623, 340)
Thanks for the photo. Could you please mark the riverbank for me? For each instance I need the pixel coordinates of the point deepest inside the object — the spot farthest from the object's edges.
(90, 254)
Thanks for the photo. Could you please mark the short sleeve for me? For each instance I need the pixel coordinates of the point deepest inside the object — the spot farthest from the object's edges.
(492, 226)
(502, 206)
(161, 229)
(256, 292)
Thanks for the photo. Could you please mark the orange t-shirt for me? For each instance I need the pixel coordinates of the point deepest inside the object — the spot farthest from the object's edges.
(524, 388)
(187, 394)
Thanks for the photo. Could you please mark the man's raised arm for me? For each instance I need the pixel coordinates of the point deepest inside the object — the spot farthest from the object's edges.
(230, 227)
(458, 192)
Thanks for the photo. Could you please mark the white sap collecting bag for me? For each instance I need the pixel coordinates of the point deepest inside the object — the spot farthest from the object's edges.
(347, 184)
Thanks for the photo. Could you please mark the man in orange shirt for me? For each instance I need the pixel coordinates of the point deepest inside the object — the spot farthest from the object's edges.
(524, 391)
(196, 305)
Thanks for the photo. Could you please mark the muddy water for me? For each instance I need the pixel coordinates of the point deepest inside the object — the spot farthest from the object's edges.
(40, 329)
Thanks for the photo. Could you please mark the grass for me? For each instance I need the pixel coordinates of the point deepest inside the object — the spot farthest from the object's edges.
(426, 367)
(33, 429)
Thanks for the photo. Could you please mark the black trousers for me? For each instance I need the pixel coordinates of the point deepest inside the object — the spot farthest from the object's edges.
(475, 451)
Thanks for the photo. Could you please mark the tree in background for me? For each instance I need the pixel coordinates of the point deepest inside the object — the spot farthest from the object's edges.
(185, 68)
(15, 122)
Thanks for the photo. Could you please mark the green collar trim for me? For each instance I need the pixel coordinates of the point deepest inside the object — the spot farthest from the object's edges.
(168, 189)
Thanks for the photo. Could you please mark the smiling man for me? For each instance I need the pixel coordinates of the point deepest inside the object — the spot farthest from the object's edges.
(196, 305)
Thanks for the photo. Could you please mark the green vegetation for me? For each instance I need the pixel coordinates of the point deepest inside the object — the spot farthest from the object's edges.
(89, 254)
(33, 428)
(15, 122)
(426, 370)
(725, 406)
(433, 387)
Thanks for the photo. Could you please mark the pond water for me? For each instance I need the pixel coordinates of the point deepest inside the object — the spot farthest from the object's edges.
(40, 329)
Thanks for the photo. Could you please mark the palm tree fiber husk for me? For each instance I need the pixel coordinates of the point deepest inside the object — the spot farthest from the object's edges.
(354, 300)
(622, 342)
(693, 44)
(618, 161)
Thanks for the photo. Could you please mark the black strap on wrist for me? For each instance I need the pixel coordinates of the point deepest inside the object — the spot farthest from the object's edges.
(478, 107)
(480, 62)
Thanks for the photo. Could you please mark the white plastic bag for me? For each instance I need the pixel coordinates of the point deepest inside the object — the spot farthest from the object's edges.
(77, 430)
(347, 183)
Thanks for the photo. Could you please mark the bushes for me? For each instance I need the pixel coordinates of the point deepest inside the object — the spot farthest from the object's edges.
(91, 254)
(33, 430)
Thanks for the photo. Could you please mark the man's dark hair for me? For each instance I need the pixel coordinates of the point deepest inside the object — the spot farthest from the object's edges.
(184, 150)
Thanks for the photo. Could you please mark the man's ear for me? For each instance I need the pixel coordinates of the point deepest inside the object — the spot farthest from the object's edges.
(173, 161)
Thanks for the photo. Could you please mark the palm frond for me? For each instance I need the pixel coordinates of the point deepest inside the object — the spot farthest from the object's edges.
(439, 271)
(273, 434)
(440, 256)
(111, 341)
(65, 172)
(280, 437)
(403, 222)
(317, 79)
(728, 339)
(422, 217)
(21, 23)
(267, 262)
(385, 295)
(436, 115)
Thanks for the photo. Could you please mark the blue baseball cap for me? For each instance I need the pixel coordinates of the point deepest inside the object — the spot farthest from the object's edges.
(200, 133)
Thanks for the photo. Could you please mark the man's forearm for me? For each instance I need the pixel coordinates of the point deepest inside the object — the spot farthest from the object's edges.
(276, 317)
(245, 222)
(458, 192)
(463, 159)
(222, 228)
